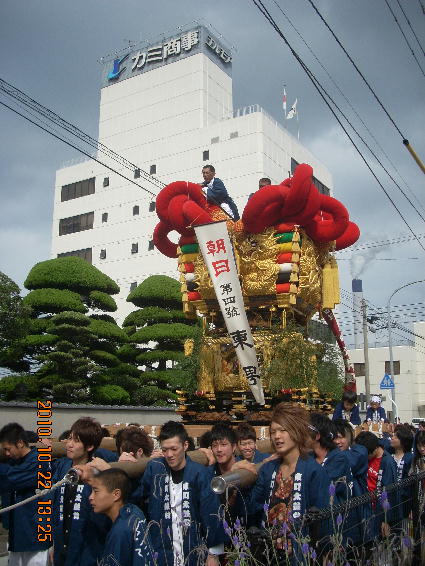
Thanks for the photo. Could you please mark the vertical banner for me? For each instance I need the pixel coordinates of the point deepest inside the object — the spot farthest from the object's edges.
(217, 251)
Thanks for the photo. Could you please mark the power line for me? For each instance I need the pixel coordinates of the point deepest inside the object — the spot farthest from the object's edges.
(356, 67)
(77, 148)
(348, 102)
(411, 27)
(401, 239)
(404, 35)
(30, 103)
(324, 95)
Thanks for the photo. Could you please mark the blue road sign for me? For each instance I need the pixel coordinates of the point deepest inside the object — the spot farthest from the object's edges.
(387, 382)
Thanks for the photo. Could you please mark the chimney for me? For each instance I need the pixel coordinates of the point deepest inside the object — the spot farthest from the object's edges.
(357, 288)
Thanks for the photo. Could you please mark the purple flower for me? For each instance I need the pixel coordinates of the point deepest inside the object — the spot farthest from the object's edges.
(235, 541)
(292, 536)
(331, 490)
(305, 548)
(289, 517)
(266, 507)
(284, 528)
(313, 554)
(339, 519)
(236, 562)
(407, 541)
(238, 524)
(155, 556)
(274, 522)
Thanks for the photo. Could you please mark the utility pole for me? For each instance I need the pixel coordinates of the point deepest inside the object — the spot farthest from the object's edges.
(366, 351)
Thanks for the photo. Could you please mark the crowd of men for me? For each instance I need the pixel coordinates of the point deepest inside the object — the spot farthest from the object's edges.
(166, 513)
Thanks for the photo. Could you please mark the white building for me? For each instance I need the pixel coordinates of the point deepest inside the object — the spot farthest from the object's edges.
(167, 108)
(409, 375)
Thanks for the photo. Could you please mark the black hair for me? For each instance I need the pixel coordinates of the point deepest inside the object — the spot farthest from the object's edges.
(245, 431)
(342, 427)
(171, 429)
(349, 396)
(114, 478)
(325, 428)
(223, 431)
(205, 440)
(265, 180)
(131, 439)
(32, 436)
(13, 433)
(210, 167)
(105, 432)
(404, 434)
(368, 440)
(191, 442)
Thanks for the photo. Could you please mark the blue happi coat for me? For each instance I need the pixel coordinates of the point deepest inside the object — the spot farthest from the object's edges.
(354, 413)
(387, 475)
(311, 489)
(88, 529)
(127, 543)
(22, 480)
(358, 460)
(200, 511)
(403, 469)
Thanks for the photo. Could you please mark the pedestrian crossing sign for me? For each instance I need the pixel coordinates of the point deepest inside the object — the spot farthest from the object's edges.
(387, 382)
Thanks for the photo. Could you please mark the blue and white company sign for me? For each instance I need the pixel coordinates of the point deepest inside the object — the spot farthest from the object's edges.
(198, 40)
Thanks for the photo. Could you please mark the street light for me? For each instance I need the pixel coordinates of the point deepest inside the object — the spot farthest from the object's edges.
(390, 342)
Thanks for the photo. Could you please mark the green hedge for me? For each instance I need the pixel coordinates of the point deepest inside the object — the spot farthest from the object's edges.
(107, 330)
(72, 273)
(104, 358)
(111, 395)
(70, 317)
(102, 301)
(157, 290)
(54, 301)
(152, 315)
(36, 340)
(164, 332)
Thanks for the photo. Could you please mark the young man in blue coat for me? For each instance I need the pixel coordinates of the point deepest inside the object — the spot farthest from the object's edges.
(217, 194)
(382, 471)
(25, 546)
(247, 444)
(347, 408)
(127, 543)
(181, 505)
(78, 533)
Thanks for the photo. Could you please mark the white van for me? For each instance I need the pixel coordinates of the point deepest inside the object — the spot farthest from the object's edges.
(417, 420)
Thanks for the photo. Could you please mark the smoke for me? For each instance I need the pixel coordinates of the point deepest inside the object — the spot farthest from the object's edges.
(361, 260)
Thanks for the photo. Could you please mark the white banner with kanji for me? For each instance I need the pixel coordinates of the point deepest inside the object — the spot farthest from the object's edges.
(217, 251)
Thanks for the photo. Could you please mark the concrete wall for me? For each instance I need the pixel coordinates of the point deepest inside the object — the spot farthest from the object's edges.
(64, 415)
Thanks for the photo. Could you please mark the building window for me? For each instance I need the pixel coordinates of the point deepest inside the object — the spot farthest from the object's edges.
(136, 210)
(152, 206)
(106, 182)
(215, 140)
(206, 155)
(133, 285)
(294, 164)
(152, 170)
(76, 223)
(102, 254)
(135, 248)
(78, 189)
(151, 246)
(396, 368)
(233, 135)
(359, 369)
(104, 217)
(84, 254)
(136, 173)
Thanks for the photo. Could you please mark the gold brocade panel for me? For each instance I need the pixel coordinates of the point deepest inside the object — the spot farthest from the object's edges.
(219, 369)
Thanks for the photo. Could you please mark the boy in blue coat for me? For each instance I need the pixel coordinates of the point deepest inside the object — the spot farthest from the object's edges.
(375, 413)
(347, 408)
(183, 508)
(127, 543)
(78, 534)
(26, 547)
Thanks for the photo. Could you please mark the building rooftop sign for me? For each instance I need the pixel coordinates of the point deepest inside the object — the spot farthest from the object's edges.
(150, 57)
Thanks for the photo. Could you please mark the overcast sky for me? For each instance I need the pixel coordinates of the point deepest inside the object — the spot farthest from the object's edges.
(51, 50)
